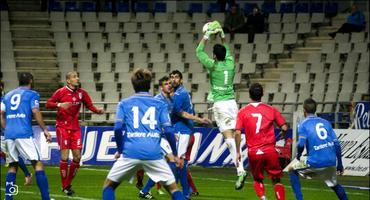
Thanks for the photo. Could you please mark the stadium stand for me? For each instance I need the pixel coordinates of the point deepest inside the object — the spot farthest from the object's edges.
(293, 59)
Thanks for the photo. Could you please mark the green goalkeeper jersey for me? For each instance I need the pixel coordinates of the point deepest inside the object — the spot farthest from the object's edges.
(221, 74)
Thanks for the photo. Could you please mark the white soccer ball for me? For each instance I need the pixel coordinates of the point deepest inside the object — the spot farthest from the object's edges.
(205, 27)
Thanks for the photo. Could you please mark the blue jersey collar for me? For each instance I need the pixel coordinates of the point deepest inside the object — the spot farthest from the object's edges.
(143, 94)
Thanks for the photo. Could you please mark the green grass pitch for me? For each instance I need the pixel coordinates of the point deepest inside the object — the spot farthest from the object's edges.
(212, 183)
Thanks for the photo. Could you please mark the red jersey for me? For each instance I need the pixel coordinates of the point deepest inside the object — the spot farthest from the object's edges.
(258, 119)
(68, 118)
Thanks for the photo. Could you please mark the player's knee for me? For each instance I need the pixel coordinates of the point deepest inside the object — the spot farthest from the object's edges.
(37, 165)
(13, 166)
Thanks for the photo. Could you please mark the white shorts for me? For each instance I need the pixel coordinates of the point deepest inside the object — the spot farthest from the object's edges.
(225, 113)
(166, 147)
(2, 144)
(157, 170)
(182, 144)
(327, 174)
(25, 147)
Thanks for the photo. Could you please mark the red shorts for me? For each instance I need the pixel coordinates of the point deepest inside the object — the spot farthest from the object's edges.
(69, 139)
(268, 161)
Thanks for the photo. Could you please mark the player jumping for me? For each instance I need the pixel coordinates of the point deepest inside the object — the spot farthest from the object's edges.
(222, 70)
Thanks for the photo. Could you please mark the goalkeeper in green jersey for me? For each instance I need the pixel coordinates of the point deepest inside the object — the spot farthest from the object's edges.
(221, 69)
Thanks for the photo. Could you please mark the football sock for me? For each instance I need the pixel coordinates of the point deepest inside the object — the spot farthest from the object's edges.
(9, 185)
(191, 183)
(184, 179)
(177, 195)
(72, 171)
(23, 167)
(63, 168)
(338, 189)
(230, 142)
(259, 188)
(296, 185)
(173, 167)
(149, 184)
(108, 193)
(279, 191)
(42, 182)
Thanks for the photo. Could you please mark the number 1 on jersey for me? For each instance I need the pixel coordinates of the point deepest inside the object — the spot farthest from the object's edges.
(259, 120)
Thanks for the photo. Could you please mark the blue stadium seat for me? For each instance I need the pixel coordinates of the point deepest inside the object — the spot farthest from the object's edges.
(328, 116)
(71, 6)
(55, 6)
(108, 6)
(268, 7)
(331, 8)
(123, 7)
(214, 8)
(248, 8)
(317, 7)
(142, 7)
(160, 7)
(286, 8)
(301, 8)
(195, 8)
(88, 6)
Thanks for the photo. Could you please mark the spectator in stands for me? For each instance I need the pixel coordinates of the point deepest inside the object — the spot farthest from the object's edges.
(355, 22)
(234, 21)
(255, 24)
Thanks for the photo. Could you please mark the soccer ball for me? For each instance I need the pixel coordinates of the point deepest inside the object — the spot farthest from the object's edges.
(206, 27)
(210, 26)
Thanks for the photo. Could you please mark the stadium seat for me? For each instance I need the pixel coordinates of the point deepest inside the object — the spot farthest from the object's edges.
(274, 18)
(317, 7)
(301, 8)
(174, 57)
(165, 27)
(274, 28)
(333, 77)
(246, 48)
(61, 47)
(214, 8)
(124, 17)
(142, 7)
(289, 28)
(275, 38)
(160, 7)
(249, 68)
(121, 57)
(200, 17)
(286, 7)
(342, 38)
(55, 16)
(278, 97)
(55, 6)
(262, 58)
(277, 48)
(195, 8)
(362, 67)
(156, 57)
(71, 6)
(179, 17)
(335, 67)
(332, 58)
(268, 7)
(300, 67)
(245, 58)
(88, 6)
(89, 17)
(56, 26)
(92, 27)
(357, 37)
(286, 78)
(154, 47)
(112, 27)
(303, 18)
(360, 47)
(106, 77)
(105, 17)
(331, 8)
(183, 28)
(123, 6)
(172, 47)
(111, 96)
(261, 48)
(304, 28)
(347, 87)
(147, 27)
(130, 27)
(73, 16)
(290, 38)
(199, 78)
(98, 46)
(327, 48)
(162, 17)
(122, 67)
(288, 18)
(132, 38)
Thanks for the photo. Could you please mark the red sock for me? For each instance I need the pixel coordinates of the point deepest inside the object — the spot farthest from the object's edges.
(191, 182)
(63, 168)
(259, 188)
(140, 176)
(279, 191)
(158, 186)
(72, 171)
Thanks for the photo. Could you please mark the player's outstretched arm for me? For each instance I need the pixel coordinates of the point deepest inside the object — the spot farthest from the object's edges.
(2, 119)
(38, 117)
(200, 120)
(338, 152)
(118, 128)
(284, 129)
(89, 104)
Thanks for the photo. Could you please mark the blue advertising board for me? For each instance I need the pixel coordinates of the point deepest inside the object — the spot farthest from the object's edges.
(362, 112)
(209, 149)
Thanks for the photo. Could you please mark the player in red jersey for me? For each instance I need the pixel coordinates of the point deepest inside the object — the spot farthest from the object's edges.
(68, 100)
(258, 119)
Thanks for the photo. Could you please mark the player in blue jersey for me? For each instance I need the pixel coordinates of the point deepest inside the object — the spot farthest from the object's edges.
(165, 95)
(183, 123)
(143, 119)
(17, 109)
(21, 164)
(324, 157)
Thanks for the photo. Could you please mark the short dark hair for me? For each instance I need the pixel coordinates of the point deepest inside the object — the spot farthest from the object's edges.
(25, 78)
(310, 105)
(141, 79)
(176, 72)
(220, 52)
(163, 79)
(256, 92)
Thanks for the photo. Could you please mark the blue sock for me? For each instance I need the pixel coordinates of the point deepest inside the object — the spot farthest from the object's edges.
(177, 195)
(184, 180)
(108, 193)
(9, 185)
(42, 182)
(173, 167)
(296, 185)
(23, 167)
(149, 184)
(338, 189)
